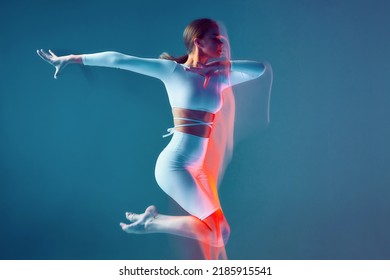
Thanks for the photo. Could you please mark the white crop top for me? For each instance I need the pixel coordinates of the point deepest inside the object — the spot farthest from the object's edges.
(185, 87)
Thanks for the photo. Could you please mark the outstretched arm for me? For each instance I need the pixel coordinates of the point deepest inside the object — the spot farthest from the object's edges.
(158, 68)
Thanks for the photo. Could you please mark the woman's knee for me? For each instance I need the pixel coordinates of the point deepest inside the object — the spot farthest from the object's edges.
(219, 228)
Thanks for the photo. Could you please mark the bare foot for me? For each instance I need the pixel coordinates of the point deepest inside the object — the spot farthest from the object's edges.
(139, 222)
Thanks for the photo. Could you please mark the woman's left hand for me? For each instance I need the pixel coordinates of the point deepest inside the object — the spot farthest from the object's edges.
(59, 62)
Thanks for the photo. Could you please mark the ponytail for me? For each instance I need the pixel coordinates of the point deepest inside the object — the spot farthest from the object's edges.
(181, 59)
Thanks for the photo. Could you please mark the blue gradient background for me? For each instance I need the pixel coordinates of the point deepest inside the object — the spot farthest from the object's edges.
(78, 152)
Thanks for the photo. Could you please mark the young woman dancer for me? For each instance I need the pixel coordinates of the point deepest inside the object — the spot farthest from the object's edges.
(195, 84)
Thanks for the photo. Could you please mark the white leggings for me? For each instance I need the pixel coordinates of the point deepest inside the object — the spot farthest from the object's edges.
(179, 173)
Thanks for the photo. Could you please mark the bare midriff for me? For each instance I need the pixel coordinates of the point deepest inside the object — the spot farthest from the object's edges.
(201, 130)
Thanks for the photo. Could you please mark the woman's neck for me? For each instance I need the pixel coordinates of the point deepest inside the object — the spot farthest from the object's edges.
(194, 59)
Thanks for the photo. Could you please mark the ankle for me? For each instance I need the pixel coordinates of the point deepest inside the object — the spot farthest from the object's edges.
(150, 225)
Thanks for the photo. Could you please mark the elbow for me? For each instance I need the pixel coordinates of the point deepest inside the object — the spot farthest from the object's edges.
(265, 66)
(113, 58)
(120, 60)
(260, 69)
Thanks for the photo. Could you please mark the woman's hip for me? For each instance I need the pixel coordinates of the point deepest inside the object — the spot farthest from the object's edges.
(185, 148)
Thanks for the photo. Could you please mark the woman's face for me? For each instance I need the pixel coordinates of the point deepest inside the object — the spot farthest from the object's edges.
(212, 43)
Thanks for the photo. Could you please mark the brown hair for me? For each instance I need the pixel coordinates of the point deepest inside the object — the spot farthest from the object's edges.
(195, 29)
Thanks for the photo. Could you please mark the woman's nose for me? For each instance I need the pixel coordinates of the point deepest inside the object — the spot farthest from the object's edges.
(222, 39)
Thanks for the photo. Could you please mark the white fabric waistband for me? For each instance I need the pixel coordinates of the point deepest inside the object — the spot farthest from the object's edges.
(171, 130)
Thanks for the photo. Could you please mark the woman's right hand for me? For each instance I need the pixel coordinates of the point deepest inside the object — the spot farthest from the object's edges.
(59, 62)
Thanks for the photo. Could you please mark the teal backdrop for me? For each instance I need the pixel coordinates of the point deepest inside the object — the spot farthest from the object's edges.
(77, 152)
